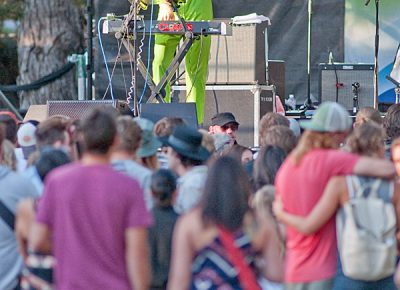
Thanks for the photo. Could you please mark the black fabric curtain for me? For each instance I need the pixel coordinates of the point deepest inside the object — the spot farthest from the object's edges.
(287, 39)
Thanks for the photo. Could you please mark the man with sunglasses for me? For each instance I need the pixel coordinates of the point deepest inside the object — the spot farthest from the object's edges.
(224, 123)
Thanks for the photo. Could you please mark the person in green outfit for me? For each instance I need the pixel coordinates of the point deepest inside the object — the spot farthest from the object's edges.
(197, 57)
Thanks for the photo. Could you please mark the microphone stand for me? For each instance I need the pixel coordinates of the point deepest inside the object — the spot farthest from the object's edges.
(355, 86)
(309, 104)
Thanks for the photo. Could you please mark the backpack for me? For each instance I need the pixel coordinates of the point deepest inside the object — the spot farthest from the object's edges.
(366, 230)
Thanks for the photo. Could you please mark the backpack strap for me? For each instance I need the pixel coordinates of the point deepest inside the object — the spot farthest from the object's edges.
(353, 186)
(7, 215)
(360, 188)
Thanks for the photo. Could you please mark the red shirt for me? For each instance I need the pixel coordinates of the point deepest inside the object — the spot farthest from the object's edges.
(311, 258)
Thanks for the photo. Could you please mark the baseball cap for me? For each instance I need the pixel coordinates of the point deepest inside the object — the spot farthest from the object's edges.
(26, 138)
(329, 117)
(222, 119)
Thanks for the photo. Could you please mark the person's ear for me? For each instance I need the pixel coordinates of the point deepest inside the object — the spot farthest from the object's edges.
(116, 142)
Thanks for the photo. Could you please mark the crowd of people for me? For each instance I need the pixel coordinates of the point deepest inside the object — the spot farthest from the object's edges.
(115, 202)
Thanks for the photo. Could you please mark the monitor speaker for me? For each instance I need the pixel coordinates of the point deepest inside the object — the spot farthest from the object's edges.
(276, 77)
(78, 109)
(155, 112)
(337, 80)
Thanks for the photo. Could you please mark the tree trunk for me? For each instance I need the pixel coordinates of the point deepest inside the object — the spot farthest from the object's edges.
(50, 31)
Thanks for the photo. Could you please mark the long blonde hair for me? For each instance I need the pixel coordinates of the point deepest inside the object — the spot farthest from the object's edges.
(311, 140)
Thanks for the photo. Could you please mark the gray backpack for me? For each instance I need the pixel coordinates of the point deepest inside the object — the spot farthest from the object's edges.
(366, 230)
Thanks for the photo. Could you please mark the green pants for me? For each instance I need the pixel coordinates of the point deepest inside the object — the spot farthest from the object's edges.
(196, 59)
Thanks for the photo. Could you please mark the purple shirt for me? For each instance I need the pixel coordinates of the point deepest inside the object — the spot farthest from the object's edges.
(88, 209)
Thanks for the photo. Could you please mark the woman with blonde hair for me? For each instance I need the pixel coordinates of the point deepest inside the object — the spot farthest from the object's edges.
(300, 182)
(366, 140)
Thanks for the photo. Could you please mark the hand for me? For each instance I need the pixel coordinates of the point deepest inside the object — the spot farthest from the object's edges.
(277, 208)
(166, 13)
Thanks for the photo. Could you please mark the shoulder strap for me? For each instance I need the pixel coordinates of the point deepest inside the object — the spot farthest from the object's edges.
(246, 276)
(350, 186)
(7, 215)
(360, 187)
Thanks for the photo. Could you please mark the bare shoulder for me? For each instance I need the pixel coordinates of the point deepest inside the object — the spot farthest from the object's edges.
(396, 194)
(192, 227)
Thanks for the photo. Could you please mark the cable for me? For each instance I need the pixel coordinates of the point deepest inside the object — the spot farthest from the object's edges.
(216, 101)
(149, 52)
(104, 56)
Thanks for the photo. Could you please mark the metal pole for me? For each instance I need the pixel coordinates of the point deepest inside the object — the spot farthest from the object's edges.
(135, 63)
(309, 102)
(376, 68)
(8, 104)
(89, 65)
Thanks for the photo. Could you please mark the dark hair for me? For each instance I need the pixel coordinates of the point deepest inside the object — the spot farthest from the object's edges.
(98, 130)
(49, 159)
(236, 151)
(187, 162)
(130, 134)
(226, 192)
(50, 131)
(391, 122)
(10, 128)
(163, 185)
(266, 165)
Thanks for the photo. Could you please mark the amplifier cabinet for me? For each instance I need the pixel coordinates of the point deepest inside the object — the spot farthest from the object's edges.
(78, 109)
(247, 102)
(239, 58)
(344, 76)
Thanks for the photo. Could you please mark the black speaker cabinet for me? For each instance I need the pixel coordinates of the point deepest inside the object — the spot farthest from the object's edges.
(77, 109)
(155, 112)
(247, 102)
(341, 77)
(276, 77)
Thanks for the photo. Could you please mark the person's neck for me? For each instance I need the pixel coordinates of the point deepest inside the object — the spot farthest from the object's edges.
(182, 170)
(95, 159)
(123, 155)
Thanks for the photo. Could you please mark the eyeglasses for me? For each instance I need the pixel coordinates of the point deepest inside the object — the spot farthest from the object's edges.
(231, 126)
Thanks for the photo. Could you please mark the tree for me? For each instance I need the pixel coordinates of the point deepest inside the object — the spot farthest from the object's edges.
(10, 9)
(50, 30)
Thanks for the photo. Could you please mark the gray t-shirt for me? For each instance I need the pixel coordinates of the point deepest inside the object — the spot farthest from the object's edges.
(190, 189)
(14, 187)
(138, 172)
